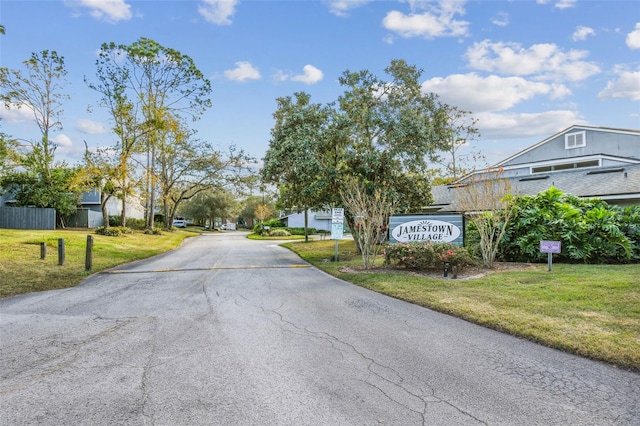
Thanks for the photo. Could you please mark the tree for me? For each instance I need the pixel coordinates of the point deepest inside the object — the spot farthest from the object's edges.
(59, 192)
(262, 212)
(371, 211)
(157, 83)
(188, 166)
(296, 159)
(382, 133)
(40, 91)
(460, 129)
(207, 206)
(9, 154)
(487, 202)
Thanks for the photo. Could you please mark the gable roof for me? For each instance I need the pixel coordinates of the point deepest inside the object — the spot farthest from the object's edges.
(567, 130)
(610, 184)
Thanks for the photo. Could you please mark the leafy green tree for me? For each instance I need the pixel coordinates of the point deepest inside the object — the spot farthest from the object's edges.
(382, 133)
(296, 159)
(9, 154)
(59, 192)
(208, 206)
(157, 83)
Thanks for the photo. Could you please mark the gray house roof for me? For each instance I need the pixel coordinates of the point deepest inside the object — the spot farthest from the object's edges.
(604, 164)
(616, 185)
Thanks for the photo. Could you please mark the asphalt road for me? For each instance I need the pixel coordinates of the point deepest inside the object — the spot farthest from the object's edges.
(228, 331)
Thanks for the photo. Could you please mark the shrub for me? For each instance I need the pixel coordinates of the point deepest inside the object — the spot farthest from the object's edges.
(590, 230)
(113, 231)
(426, 255)
(132, 223)
(300, 231)
(279, 232)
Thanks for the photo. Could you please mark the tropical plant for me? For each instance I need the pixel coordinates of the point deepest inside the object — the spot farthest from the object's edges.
(590, 230)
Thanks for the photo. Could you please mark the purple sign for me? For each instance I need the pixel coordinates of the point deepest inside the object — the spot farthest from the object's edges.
(550, 247)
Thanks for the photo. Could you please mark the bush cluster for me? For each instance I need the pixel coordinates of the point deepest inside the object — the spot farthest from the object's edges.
(132, 223)
(590, 230)
(113, 231)
(279, 232)
(426, 255)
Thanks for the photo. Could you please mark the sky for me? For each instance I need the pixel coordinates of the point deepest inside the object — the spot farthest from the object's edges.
(524, 69)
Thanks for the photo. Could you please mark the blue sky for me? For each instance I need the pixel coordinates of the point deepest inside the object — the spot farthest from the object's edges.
(526, 69)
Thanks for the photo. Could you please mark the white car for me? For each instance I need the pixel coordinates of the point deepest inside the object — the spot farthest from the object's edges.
(180, 223)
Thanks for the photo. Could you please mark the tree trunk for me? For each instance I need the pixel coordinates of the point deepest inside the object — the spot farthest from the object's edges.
(123, 215)
(103, 206)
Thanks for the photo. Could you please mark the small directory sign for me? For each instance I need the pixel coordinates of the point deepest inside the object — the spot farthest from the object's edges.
(337, 215)
(550, 247)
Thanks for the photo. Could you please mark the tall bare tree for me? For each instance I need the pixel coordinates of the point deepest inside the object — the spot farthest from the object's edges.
(39, 89)
(371, 211)
(158, 82)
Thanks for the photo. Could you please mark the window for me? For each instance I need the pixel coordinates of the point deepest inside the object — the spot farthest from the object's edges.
(565, 166)
(574, 140)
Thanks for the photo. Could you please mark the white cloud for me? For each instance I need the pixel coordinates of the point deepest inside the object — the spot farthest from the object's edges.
(501, 19)
(627, 85)
(633, 38)
(218, 12)
(242, 72)
(62, 140)
(559, 4)
(342, 7)
(438, 20)
(91, 127)
(310, 75)
(104, 10)
(544, 61)
(565, 4)
(582, 32)
(15, 114)
(493, 93)
(514, 125)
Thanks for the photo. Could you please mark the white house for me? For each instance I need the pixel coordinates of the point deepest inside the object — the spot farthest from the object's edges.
(318, 219)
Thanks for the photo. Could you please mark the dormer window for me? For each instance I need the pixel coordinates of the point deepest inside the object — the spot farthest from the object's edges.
(575, 140)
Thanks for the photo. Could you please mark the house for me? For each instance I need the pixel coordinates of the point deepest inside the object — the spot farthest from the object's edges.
(584, 161)
(318, 219)
(89, 213)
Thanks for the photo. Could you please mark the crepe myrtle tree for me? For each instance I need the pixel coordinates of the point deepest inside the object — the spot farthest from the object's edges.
(487, 201)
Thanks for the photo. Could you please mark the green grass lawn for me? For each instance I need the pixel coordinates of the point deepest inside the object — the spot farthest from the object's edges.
(589, 310)
(22, 270)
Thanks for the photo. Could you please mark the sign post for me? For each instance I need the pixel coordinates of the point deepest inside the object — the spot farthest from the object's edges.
(337, 228)
(550, 247)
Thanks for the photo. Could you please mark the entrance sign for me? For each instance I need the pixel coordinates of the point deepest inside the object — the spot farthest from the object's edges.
(422, 228)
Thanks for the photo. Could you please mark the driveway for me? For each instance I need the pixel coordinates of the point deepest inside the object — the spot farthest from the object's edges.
(229, 331)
